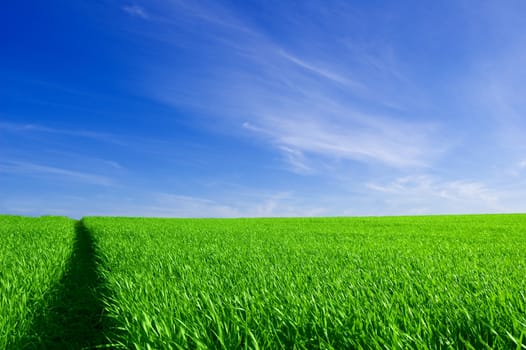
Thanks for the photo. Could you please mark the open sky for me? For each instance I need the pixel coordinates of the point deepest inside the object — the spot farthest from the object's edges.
(262, 108)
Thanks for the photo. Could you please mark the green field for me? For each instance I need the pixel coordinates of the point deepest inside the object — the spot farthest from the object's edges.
(34, 254)
(435, 282)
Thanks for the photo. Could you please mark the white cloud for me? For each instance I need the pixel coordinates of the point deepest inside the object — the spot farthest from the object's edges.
(430, 186)
(323, 72)
(135, 10)
(175, 205)
(352, 137)
(31, 169)
(279, 204)
(424, 193)
(35, 128)
(297, 160)
(516, 169)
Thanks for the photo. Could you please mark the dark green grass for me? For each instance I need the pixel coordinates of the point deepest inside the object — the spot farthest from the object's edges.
(51, 291)
(73, 316)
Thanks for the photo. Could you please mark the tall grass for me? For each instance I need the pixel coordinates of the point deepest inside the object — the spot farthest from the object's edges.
(329, 283)
(33, 256)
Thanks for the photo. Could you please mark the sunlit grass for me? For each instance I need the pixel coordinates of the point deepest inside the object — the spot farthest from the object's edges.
(328, 283)
(33, 257)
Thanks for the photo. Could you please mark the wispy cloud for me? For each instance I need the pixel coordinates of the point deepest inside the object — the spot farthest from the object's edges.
(36, 128)
(516, 169)
(384, 141)
(279, 204)
(323, 72)
(427, 192)
(176, 205)
(31, 169)
(306, 108)
(426, 185)
(136, 10)
(297, 160)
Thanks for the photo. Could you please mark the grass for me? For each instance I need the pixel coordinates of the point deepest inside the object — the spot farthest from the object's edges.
(329, 283)
(441, 282)
(50, 290)
(73, 316)
(33, 257)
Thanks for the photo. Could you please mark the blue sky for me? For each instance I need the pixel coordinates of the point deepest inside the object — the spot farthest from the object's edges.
(262, 108)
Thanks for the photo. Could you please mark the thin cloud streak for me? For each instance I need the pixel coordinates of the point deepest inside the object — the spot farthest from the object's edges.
(31, 169)
(335, 77)
(35, 128)
(136, 11)
(297, 160)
